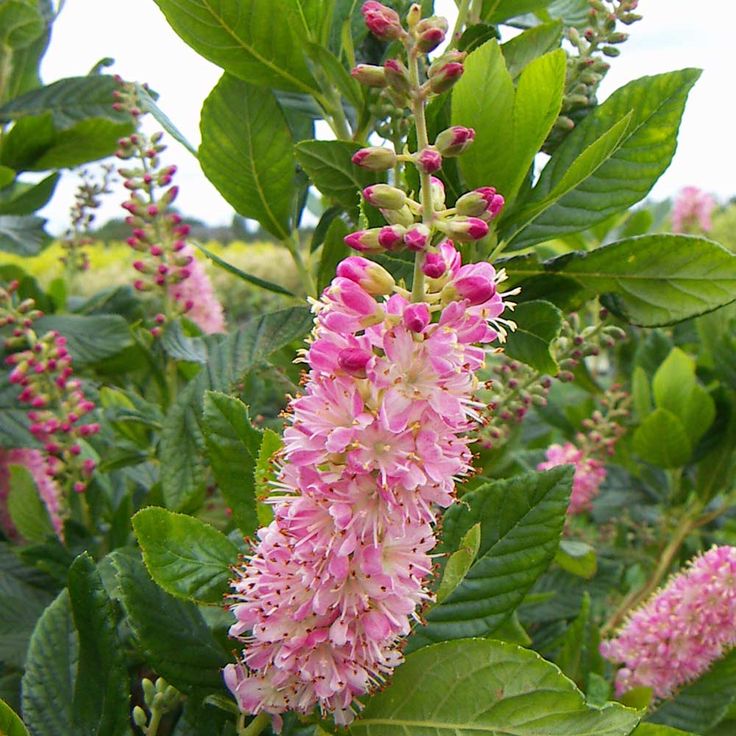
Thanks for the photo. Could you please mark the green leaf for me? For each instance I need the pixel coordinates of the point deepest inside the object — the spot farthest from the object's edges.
(20, 24)
(24, 198)
(538, 323)
(229, 358)
(235, 271)
(674, 381)
(497, 11)
(459, 562)
(527, 46)
(661, 439)
(656, 105)
(571, 655)
(246, 152)
(477, 686)
(171, 633)
(232, 449)
(25, 506)
(265, 474)
(185, 556)
(69, 101)
(334, 250)
(90, 339)
(100, 706)
(148, 104)
(716, 469)
(23, 236)
(641, 393)
(10, 722)
(250, 39)
(48, 681)
(651, 280)
(657, 729)
(328, 164)
(508, 133)
(577, 558)
(180, 346)
(521, 521)
(699, 706)
(337, 74)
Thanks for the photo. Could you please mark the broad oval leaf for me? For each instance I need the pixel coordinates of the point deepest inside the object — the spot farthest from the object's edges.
(246, 152)
(538, 323)
(23, 236)
(661, 439)
(481, 686)
(251, 39)
(185, 556)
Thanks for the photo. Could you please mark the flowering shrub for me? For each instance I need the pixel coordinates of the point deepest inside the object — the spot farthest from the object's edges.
(475, 418)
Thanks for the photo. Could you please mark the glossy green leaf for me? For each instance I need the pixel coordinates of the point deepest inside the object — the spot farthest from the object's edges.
(458, 563)
(101, 691)
(251, 39)
(537, 324)
(233, 444)
(480, 686)
(246, 152)
(90, 339)
(24, 198)
(229, 358)
(657, 729)
(508, 133)
(651, 280)
(661, 439)
(10, 722)
(185, 556)
(25, 506)
(23, 236)
(699, 706)
(645, 151)
(171, 633)
(527, 46)
(521, 521)
(328, 164)
(48, 681)
(497, 11)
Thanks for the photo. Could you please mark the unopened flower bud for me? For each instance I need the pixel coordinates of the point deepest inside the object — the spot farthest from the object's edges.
(484, 202)
(611, 51)
(139, 717)
(438, 193)
(417, 317)
(417, 237)
(465, 229)
(384, 196)
(449, 56)
(617, 37)
(397, 76)
(428, 160)
(382, 22)
(375, 158)
(376, 239)
(403, 216)
(454, 141)
(446, 77)
(414, 15)
(430, 33)
(354, 361)
(372, 277)
(474, 282)
(369, 75)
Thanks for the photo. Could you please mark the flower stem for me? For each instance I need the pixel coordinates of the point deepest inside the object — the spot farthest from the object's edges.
(292, 244)
(256, 726)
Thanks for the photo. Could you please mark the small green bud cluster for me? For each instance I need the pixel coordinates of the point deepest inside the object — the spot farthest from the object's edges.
(159, 698)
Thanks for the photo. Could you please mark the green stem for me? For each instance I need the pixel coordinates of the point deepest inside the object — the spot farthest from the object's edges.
(256, 726)
(420, 121)
(462, 16)
(292, 244)
(154, 723)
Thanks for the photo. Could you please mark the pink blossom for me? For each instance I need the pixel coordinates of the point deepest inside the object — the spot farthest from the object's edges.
(38, 465)
(681, 630)
(197, 296)
(692, 210)
(375, 443)
(589, 474)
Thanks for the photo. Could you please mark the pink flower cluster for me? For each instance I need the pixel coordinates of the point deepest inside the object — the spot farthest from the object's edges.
(692, 211)
(589, 474)
(374, 443)
(197, 297)
(35, 462)
(676, 636)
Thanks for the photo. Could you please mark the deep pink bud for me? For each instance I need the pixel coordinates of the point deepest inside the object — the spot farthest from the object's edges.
(375, 158)
(88, 466)
(465, 229)
(417, 237)
(417, 317)
(391, 236)
(428, 160)
(156, 250)
(80, 487)
(364, 241)
(430, 33)
(455, 140)
(372, 277)
(382, 21)
(446, 77)
(484, 202)
(397, 76)
(354, 361)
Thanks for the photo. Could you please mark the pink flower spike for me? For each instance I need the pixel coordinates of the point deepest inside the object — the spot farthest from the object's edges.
(589, 474)
(372, 277)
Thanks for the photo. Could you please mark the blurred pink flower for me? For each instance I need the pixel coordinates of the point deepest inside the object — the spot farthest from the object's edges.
(589, 474)
(692, 210)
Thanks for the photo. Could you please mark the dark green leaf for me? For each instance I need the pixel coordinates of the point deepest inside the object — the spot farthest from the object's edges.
(180, 346)
(334, 250)
(100, 706)
(458, 563)
(171, 633)
(497, 11)
(521, 521)
(477, 686)
(250, 39)
(48, 682)
(538, 323)
(232, 450)
(90, 339)
(662, 440)
(645, 151)
(246, 152)
(148, 104)
(24, 199)
(476, 35)
(185, 556)
(23, 236)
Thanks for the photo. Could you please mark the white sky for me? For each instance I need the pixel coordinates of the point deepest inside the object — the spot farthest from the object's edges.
(672, 35)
